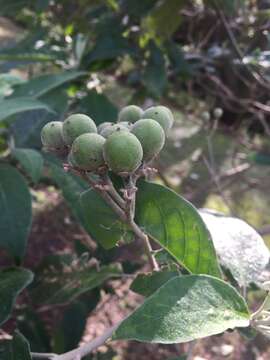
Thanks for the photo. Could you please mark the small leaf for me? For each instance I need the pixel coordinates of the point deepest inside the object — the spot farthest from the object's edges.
(177, 226)
(147, 284)
(31, 161)
(15, 210)
(155, 76)
(12, 282)
(240, 248)
(43, 84)
(14, 106)
(62, 279)
(100, 221)
(16, 349)
(99, 107)
(184, 309)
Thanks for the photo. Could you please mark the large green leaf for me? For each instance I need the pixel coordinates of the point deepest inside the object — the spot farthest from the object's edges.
(72, 186)
(177, 226)
(99, 107)
(184, 309)
(164, 20)
(27, 130)
(16, 349)
(100, 221)
(41, 85)
(31, 161)
(15, 210)
(62, 279)
(14, 106)
(155, 77)
(147, 284)
(12, 282)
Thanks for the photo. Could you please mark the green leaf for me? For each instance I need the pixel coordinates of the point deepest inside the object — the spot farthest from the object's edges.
(147, 284)
(43, 84)
(62, 279)
(6, 83)
(100, 221)
(164, 20)
(14, 106)
(72, 186)
(155, 76)
(31, 161)
(16, 349)
(12, 282)
(15, 210)
(184, 309)
(99, 107)
(177, 226)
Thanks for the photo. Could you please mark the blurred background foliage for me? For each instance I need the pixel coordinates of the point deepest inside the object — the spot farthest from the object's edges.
(95, 56)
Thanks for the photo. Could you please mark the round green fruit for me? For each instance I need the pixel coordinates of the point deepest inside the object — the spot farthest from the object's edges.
(131, 113)
(205, 116)
(71, 160)
(110, 129)
(218, 112)
(102, 126)
(52, 135)
(76, 125)
(87, 151)
(151, 136)
(162, 115)
(123, 152)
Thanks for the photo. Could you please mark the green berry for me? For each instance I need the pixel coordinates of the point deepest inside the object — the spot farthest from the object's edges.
(52, 135)
(151, 136)
(110, 129)
(87, 151)
(76, 125)
(103, 126)
(123, 152)
(71, 160)
(162, 115)
(218, 112)
(205, 116)
(131, 113)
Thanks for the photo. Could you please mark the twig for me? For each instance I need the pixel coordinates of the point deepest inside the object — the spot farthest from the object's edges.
(43, 355)
(86, 349)
(113, 192)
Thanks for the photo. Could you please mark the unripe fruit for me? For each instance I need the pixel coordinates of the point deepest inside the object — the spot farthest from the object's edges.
(110, 129)
(151, 136)
(71, 160)
(76, 125)
(205, 116)
(52, 135)
(130, 113)
(123, 152)
(103, 126)
(162, 115)
(87, 151)
(218, 112)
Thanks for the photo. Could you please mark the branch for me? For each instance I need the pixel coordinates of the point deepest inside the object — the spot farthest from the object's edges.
(43, 356)
(86, 349)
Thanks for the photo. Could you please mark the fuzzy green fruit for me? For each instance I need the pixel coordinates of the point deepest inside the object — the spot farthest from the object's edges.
(123, 152)
(151, 136)
(205, 116)
(76, 125)
(218, 112)
(162, 115)
(102, 126)
(52, 135)
(131, 113)
(71, 160)
(87, 151)
(110, 129)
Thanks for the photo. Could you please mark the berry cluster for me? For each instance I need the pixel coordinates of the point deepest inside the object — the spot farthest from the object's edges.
(122, 147)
